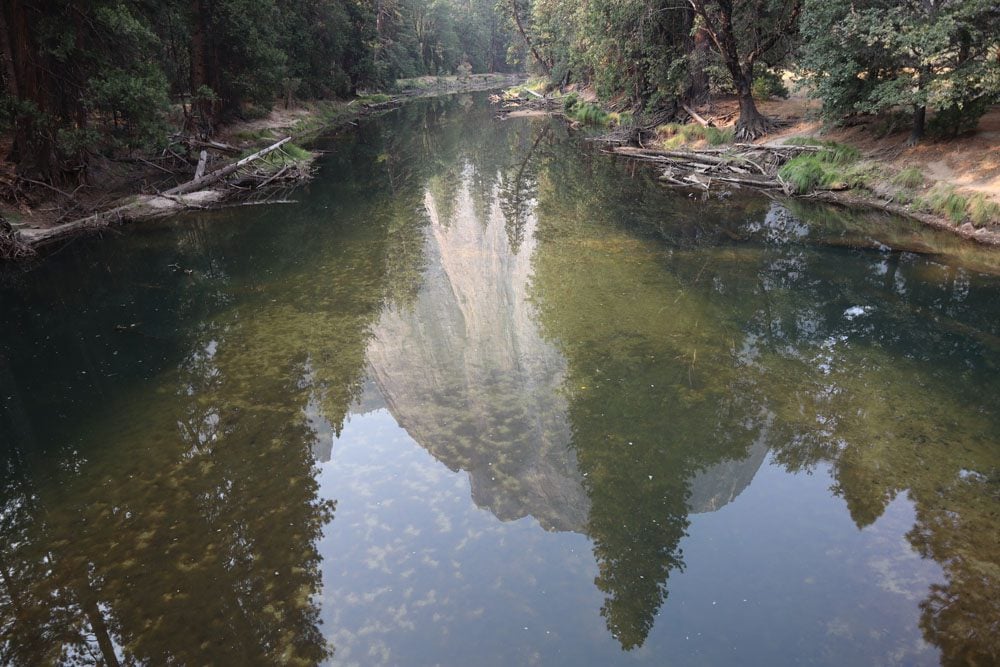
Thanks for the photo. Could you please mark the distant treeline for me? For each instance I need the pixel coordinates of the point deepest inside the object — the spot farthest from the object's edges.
(901, 57)
(103, 75)
(81, 76)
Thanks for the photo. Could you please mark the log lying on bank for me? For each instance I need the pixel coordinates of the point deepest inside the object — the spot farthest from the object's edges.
(536, 104)
(201, 192)
(219, 174)
(753, 165)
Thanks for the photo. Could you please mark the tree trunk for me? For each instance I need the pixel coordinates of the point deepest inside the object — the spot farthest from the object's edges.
(919, 111)
(698, 90)
(917, 131)
(527, 40)
(33, 148)
(752, 124)
(201, 106)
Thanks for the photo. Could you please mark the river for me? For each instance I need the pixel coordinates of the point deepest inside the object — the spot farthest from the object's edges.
(487, 396)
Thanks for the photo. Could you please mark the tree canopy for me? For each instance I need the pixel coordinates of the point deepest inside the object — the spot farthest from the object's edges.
(102, 75)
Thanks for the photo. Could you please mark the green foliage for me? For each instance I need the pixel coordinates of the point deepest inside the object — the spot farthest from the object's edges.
(296, 152)
(415, 38)
(944, 200)
(836, 165)
(872, 56)
(806, 173)
(911, 177)
(679, 134)
(832, 153)
(374, 98)
(982, 210)
(768, 85)
(590, 114)
(956, 119)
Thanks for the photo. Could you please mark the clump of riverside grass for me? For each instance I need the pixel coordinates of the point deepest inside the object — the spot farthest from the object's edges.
(943, 200)
(911, 177)
(833, 166)
(982, 210)
(585, 112)
(677, 134)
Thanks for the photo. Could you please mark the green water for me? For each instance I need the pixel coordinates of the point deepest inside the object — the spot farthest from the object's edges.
(486, 396)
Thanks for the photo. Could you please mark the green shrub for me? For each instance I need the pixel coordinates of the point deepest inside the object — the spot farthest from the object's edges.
(374, 98)
(911, 177)
(717, 137)
(768, 85)
(590, 114)
(569, 102)
(983, 211)
(804, 173)
(834, 154)
(679, 134)
(288, 152)
(834, 165)
(943, 200)
(957, 119)
(296, 152)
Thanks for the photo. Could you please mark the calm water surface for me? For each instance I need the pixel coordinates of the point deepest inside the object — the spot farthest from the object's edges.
(485, 396)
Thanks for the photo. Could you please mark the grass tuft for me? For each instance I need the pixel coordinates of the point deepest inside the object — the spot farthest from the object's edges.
(943, 200)
(677, 134)
(911, 177)
(983, 211)
(834, 154)
(589, 114)
(805, 173)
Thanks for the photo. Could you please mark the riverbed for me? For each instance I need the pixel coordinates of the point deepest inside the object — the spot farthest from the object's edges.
(486, 396)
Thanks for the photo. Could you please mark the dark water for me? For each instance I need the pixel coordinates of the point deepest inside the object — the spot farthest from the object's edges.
(487, 397)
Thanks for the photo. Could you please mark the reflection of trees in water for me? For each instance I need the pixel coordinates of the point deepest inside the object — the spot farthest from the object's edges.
(884, 367)
(183, 526)
(871, 391)
(171, 549)
(517, 188)
(648, 385)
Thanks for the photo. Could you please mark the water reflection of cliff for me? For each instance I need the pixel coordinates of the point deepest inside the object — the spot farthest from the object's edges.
(529, 364)
(466, 372)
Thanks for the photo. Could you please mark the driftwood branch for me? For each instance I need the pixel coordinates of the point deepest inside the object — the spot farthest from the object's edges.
(694, 115)
(220, 174)
(200, 169)
(148, 207)
(754, 165)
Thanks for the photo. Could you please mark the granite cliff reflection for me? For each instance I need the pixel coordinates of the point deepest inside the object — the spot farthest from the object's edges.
(579, 416)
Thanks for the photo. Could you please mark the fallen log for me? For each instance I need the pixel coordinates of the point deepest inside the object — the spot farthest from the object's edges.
(694, 115)
(219, 174)
(149, 207)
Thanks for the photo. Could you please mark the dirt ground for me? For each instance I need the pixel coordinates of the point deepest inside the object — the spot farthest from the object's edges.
(970, 163)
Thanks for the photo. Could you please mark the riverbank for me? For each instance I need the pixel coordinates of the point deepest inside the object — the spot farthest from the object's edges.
(138, 188)
(953, 185)
(948, 184)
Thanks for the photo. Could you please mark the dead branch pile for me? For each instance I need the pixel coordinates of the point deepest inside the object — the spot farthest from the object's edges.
(754, 165)
(528, 100)
(270, 171)
(12, 246)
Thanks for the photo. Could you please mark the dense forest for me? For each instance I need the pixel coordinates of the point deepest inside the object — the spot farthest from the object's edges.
(86, 75)
(107, 75)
